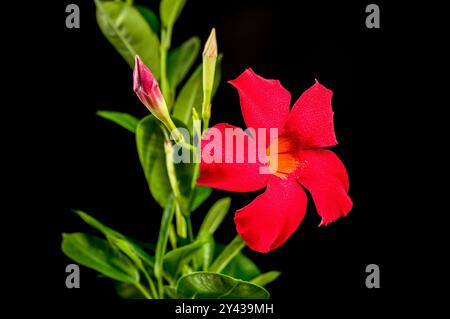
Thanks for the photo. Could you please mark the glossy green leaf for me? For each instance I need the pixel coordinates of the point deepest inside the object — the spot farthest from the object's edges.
(97, 253)
(126, 29)
(150, 144)
(169, 11)
(159, 181)
(215, 215)
(180, 61)
(240, 267)
(123, 119)
(91, 221)
(201, 193)
(205, 255)
(206, 285)
(175, 260)
(227, 254)
(191, 94)
(266, 278)
(126, 245)
(150, 17)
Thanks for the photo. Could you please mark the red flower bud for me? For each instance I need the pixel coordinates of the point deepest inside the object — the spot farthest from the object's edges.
(147, 89)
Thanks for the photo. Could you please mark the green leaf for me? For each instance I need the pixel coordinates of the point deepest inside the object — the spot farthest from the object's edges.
(150, 17)
(240, 266)
(169, 11)
(266, 278)
(191, 95)
(229, 252)
(123, 119)
(201, 193)
(180, 60)
(215, 215)
(175, 260)
(91, 221)
(97, 253)
(126, 29)
(150, 144)
(126, 245)
(206, 285)
(205, 255)
(159, 181)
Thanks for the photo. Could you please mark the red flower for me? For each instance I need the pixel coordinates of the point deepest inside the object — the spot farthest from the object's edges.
(303, 132)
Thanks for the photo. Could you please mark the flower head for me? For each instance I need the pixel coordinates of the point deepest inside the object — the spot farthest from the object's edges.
(147, 89)
(297, 163)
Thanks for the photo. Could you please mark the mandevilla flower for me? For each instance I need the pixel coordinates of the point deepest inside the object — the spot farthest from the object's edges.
(301, 162)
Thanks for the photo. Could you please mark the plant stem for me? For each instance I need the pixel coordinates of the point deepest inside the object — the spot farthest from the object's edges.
(161, 246)
(232, 249)
(166, 39)
(180, 222)
(189, 228)
(197, 129)
(143, 290)
(172, 237)
(151, 284)
(191, 238)
(180, 209)
(173, 177)
(205, 123)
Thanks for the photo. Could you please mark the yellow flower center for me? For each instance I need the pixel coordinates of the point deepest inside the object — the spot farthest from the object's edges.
(282, 157)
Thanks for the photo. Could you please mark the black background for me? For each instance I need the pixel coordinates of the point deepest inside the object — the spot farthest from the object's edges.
(92, 164)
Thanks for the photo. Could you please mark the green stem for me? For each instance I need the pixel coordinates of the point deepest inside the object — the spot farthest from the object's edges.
(164, 81)
(172, 237)
(189, 227)
(161, 246)
(233, 248)
(180, 222)
(197, 150)
(205, 124)
(191, 237)
(166, 39)
(180, 209)
(151, 284)
(143, 290)
(173, 177)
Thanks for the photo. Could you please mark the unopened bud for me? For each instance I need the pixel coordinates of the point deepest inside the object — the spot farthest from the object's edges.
(209, 68)
(147, 89)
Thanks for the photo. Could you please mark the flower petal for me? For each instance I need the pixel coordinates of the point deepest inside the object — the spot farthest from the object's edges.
(273, 216)
(265, 103)
(324, 175)
(311, 118)
(230, 166)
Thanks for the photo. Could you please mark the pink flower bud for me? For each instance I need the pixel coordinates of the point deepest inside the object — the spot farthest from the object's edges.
(147, 89)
